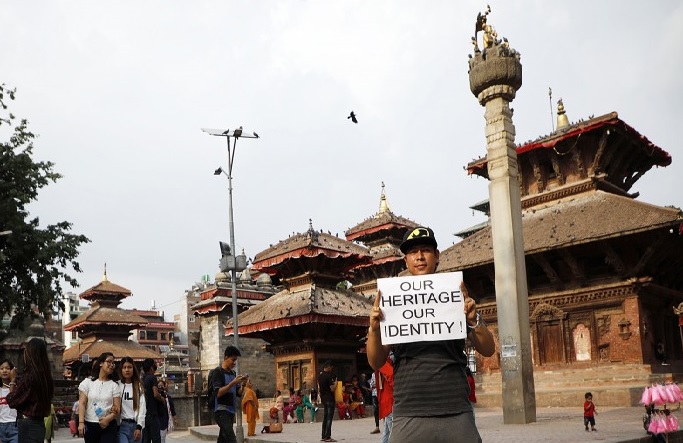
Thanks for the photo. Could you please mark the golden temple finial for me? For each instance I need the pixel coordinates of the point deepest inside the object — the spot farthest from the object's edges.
(104, 277)
(562, 120)
(383, 203)
(482, 25)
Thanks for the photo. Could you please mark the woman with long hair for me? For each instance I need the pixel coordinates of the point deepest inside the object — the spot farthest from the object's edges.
(99, 402)
(133, 407)
(31, 394)
(8, 416)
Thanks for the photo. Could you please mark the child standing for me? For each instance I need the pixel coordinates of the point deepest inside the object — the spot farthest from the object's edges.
(589, 412)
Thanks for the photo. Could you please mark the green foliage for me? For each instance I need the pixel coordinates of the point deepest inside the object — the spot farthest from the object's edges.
(34, 262)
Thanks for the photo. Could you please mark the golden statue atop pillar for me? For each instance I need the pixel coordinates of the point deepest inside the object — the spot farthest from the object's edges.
(495, 64)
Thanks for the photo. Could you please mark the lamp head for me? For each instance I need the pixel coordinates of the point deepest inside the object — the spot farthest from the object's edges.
(218, 171)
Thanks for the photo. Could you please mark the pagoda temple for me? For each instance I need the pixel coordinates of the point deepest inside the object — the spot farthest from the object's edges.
(603, 268)
(315, 318)
(382, 233)
(105, 328)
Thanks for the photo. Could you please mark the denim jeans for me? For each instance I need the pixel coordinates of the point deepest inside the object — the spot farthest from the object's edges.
(9, 433)
(225, 420)
(152, 431)
(327, 419)
(126, 432)
(31, 430)
(386, 432)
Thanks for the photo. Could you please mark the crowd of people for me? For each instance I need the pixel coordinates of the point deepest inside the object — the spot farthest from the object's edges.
(115, 403)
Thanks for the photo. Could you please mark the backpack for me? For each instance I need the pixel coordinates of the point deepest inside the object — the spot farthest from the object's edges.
(211, 389)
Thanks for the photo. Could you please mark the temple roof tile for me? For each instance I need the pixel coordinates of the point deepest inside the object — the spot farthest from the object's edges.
(288, 308)
(309, 244)
(379, 222)
(105, 289)
(106, 316)
(659, 156)
(94, 347)
(570, 221)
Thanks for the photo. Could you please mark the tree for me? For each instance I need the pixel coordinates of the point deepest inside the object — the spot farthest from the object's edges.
(34, 261)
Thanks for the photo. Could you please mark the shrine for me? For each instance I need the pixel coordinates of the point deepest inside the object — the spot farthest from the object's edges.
(315, 317)
(105, 327)
(603, 268)
(382, 233)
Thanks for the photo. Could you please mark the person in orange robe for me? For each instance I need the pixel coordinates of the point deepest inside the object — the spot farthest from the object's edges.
(250, 408)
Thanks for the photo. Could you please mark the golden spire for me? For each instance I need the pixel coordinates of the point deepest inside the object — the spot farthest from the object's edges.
(562, 120)
(383, 203)
(104, 277)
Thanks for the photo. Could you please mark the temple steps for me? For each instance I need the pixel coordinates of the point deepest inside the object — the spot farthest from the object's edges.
(611, 385)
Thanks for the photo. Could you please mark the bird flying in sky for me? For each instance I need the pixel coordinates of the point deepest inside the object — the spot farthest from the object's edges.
(352, 116)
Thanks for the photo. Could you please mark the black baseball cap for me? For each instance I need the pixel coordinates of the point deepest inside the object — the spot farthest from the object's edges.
(418, 236)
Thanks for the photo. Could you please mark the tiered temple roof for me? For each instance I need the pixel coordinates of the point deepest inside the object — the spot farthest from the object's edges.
(382, 233)
(311, 265)
(312, 253)
(578, 215)
(565, 222)
(218, 297)
(105, 327)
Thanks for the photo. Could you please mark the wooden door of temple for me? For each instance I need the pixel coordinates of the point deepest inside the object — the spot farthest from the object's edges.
(549, 330)
(552, 348)
(295, 376)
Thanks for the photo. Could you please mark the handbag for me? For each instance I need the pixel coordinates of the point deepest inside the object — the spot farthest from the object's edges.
(275, 428)
(72, 427)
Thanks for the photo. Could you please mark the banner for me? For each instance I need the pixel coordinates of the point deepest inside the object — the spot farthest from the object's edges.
(422, 308)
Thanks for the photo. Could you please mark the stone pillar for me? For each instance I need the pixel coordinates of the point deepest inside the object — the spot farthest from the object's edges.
(495, 76)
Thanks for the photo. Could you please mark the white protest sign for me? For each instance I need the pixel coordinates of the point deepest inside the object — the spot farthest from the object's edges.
(422, 308)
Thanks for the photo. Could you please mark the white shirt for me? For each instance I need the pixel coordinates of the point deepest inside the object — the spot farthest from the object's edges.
(127, 411)
(7, 414)
(373, 385)
(100, 395)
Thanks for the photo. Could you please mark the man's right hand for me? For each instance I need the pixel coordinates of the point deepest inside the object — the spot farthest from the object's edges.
(376, 315)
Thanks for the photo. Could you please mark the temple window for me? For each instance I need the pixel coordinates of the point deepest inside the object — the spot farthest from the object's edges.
(582, 342)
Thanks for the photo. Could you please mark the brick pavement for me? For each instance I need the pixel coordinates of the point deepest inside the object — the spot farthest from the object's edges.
(565, 425)
(554, 425)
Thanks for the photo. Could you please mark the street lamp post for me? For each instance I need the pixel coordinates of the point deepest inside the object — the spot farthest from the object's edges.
(230, 261)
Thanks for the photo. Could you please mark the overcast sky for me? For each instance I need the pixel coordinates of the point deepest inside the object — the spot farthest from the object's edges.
(118, 92)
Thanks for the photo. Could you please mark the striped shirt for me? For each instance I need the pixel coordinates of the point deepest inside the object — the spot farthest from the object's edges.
(430, 379)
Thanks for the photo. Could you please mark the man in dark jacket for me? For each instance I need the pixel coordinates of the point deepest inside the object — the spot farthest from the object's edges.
(326, 384)
(152, 431)
(228, 387)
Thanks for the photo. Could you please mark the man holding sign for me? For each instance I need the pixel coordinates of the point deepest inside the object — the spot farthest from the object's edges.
(418, 317)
